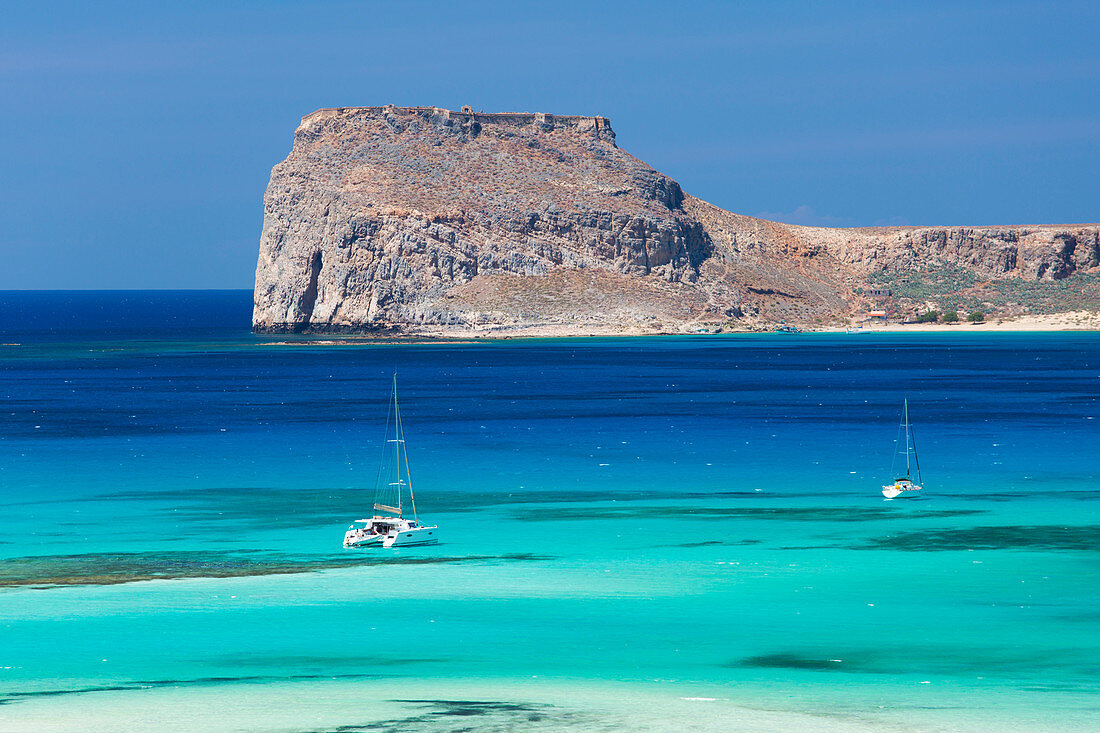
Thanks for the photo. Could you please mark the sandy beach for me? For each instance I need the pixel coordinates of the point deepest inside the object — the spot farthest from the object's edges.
(1072, 321)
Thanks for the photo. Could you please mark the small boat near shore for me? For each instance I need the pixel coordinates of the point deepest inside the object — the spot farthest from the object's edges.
(904, 485)
(388, 526)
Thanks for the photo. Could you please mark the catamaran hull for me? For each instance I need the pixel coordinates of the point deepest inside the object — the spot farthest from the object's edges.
(425, 536)
(893, 491)
(360, 542)
(408, 538)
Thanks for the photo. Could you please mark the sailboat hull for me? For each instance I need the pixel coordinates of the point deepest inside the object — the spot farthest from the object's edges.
(893, 491)
(903, 485)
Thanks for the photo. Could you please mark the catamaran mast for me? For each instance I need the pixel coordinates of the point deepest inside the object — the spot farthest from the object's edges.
(401, 430)
(397, 443)
(906, 437)
(401, 455)
(400, 460)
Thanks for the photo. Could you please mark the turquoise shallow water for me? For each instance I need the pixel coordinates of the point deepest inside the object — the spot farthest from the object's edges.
(642, 534)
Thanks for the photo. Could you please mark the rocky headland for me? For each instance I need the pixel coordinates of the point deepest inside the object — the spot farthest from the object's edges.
(425, 221)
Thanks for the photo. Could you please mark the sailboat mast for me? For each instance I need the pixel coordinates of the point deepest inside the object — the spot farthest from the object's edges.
(916, 459)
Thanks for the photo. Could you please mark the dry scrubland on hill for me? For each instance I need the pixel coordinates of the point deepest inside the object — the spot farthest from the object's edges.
(423, 220)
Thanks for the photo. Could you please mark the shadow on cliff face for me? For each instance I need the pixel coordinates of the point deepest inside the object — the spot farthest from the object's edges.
(309, 295)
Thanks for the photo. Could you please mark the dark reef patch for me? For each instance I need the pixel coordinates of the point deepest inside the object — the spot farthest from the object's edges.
(8, 698)
(235, 507)
(798, 514)
(290, 508)
(478, 716)
(327, 662)
(1009, 537)
(715, 543)
(984, 661)
(111, 568)
(1006, 496)
(789, 661)
(466, 708)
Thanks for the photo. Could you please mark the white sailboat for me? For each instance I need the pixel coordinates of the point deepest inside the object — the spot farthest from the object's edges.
(904, 486)
(389, 527)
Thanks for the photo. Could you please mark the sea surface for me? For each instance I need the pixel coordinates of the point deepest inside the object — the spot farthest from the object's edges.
(674, 533)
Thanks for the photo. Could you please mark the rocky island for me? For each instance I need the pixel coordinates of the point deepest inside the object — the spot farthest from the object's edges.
(427, 221)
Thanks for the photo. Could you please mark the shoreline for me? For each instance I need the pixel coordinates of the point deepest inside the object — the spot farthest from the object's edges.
(1070, 321)
(536, 703)
(1082, 321)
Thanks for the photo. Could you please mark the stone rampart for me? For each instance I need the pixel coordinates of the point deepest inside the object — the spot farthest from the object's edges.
(599, 125)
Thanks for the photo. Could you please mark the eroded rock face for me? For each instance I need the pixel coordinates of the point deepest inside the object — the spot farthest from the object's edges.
(406, 218)
(378, 212)
(1034, 253)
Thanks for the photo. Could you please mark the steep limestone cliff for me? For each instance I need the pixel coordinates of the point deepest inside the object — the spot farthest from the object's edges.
(421, 219)
(379, 212)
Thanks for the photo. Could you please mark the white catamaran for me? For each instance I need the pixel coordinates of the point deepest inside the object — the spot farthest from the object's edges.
(389, 527)
(904, 485)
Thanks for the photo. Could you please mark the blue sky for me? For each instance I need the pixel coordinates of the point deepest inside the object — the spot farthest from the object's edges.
(136, 139)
